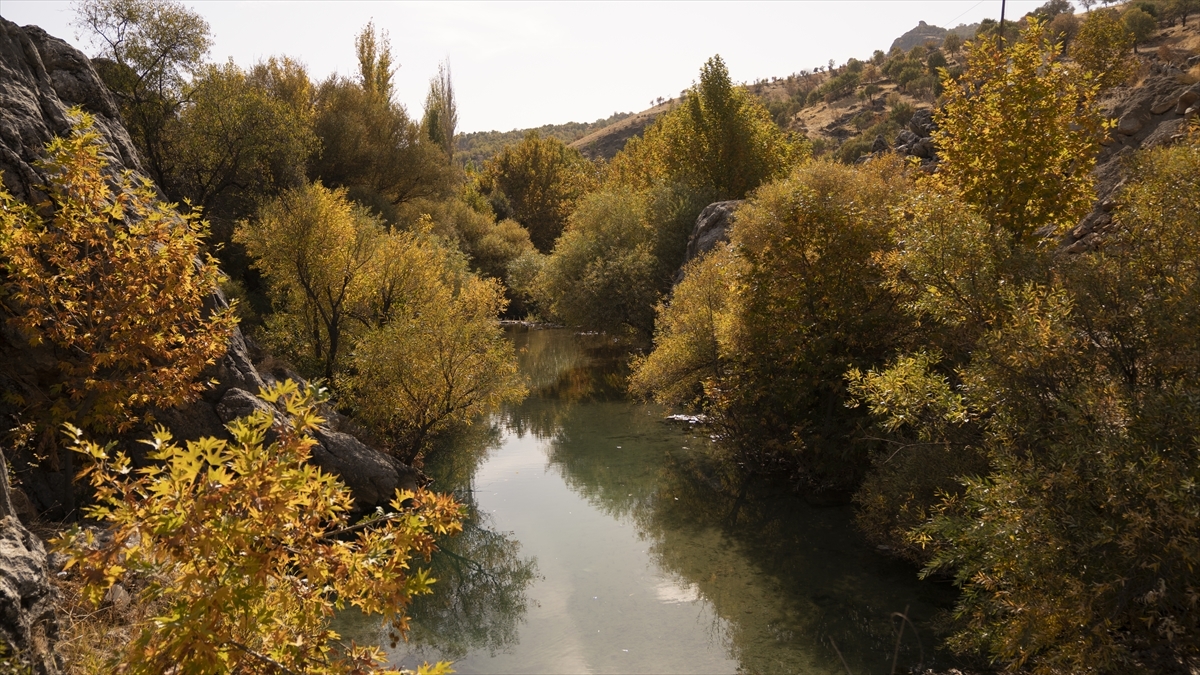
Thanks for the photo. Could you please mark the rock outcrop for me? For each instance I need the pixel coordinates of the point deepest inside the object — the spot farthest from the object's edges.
(27, 621)
(1153, 114)
(712, 228)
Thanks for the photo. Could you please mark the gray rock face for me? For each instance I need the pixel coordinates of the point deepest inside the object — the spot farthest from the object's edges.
(1150, 115)
(41, 78)
(712, 228)
(372, 476)
(27, 620)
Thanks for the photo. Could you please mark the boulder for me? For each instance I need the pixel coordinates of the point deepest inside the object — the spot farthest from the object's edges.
(922, 123)
(371, 475)
(27, 620)
(712, 228)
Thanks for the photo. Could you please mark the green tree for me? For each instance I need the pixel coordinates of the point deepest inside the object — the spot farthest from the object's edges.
(236, 142)
(148, 48)
(1102, 47)
(111, 287)
(1018, 134)
(441, 111)
(1139, 24)
(721, 143)
(369, 145)
(537, 182)
(602, 273)
(250, 549)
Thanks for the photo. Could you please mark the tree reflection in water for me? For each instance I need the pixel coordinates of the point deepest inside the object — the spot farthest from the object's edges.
(480, 597)
(784, 578)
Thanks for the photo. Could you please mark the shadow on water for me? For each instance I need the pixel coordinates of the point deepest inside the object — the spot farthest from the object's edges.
(775, 582)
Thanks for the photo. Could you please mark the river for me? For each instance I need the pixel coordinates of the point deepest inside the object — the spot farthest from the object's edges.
(603, 538)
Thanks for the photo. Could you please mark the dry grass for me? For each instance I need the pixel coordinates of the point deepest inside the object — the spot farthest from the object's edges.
(89, 637)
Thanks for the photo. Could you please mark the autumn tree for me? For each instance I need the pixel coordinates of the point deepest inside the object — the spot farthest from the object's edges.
(319, 253)
(394, 320)
(441, 110)
(437, 362)
(250, 550)
(1019, 133)
(1139, 24)
(369, 144)
(721, 142)
(1075, 388)
(148, 50)
(238, 140)
(1102, 48)
(537, 182)
(111, 284)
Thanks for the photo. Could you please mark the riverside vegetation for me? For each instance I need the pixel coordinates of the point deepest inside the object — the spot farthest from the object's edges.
(1020, 419)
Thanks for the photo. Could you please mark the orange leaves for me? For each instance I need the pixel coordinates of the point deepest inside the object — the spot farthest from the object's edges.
(113, 286)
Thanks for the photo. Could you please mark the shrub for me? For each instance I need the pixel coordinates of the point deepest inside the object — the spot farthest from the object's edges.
(113, 286)
(1102, 47)
(249, 549)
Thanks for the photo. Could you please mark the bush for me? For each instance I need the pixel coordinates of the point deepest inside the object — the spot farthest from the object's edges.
(113, 288)
(1019, 138)
(1102, 47)
(603, 273)
(249, 549)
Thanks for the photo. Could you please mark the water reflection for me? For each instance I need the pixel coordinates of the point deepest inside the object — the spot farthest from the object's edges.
(651, 555)
(786, 580)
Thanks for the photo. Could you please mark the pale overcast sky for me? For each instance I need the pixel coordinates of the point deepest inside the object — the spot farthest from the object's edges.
(524, 64)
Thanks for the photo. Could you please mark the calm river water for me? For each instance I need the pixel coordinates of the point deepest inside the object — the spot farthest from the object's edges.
(602, 540)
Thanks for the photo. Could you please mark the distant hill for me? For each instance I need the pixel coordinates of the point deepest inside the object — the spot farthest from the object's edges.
(925, 33)
(606, 142)
(479, 146)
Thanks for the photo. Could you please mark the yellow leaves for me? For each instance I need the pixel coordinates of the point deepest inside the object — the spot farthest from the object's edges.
(1018, 134)
(243, 540)
(114, 289)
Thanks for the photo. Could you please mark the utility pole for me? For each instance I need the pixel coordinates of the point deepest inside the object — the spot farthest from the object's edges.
(1002, 2)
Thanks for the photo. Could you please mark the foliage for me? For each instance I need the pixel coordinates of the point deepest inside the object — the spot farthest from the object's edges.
(720, 143)
(441, 111)
(537, 183)
(147, 48)
(370, 146)
(602, 273)
(1072, 381)
(113, 286)
(1102, 47)
(1139, 24)
(489, 245)
(689, 335)
(393, 319)
(250, 549)
(322, 256)
(1018, 134)
(759, 336)
(438, 362)
(237, 141)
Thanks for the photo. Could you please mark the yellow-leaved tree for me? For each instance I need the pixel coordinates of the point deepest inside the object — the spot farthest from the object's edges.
(113, 287)
(1018, 136)
(407, 335)
(249, 550)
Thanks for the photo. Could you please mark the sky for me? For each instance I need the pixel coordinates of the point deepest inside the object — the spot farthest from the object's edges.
(524, 64)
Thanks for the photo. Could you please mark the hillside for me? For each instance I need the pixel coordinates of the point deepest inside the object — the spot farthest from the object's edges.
(476, 147)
